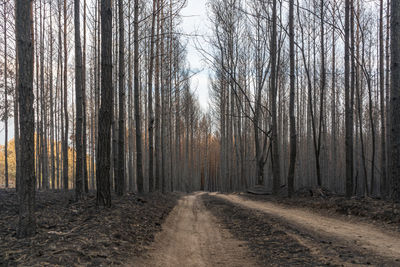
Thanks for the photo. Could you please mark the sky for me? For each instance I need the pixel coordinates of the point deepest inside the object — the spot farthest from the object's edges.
(194, 22)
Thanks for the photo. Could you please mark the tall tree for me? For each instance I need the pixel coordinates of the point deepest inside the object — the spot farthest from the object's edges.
(333, 94)
(395, 99)
(157, 123)
(293, 141)
(16, 130)
(26, 191)
(84, 123)
(139, 164)
(79, 105)
(106, 103)
(382, 102)
(65, 102)
(5, 97)
(130, 109)
(120, 179)
(52, 111)
(348, 108)
(150, 97)
(274, 88)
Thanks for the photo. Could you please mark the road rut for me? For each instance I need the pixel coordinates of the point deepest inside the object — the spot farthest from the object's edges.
(360, 235)
(191, 236)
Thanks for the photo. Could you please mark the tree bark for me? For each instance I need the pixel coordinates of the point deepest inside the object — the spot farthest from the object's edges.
(348, 108)
(139, 166)
(157, 105)
(52, 113)
(395, 100)
(79, 105)
(84, 122)
(150, 98)
(383, 183)
(273, 87)
(293, 141)
(120, 179)
(26, 192)
(5, 99)
(105, 114)
(65, 100)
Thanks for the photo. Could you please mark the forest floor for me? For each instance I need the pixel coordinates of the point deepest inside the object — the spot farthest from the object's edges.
(374, 211)
(203, 229)
(80, 234)
(296, 235)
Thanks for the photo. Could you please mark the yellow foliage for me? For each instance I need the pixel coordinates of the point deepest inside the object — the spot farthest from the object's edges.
(12, 162)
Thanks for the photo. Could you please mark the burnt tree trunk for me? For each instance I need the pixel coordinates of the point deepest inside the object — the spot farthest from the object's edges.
(105, 113)
(79, 106)
(120, 179)
(395, 100)
(139, 166)
(26, 192)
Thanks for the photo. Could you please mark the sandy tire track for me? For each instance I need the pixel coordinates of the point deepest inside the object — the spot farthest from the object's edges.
(357, 235)
(191, 236)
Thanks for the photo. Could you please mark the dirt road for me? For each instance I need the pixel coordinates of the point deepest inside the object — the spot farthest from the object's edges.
(229, 230)
(191, 236)
(359, 235)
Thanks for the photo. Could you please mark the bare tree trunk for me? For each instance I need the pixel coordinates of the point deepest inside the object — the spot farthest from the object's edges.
(52, 113)
(322, 95)
(273, 87)
(333, 105)
(348, 108)
(16, 130)
(5, 98)
(150, 98)
(360, 123)
(139, 166)
(387, 98)
(163, 107)
(170, 133)
(37, 154)
(114, 125)
(130, 119)
(120, 179)
(157, 105)
(395, 99)
(84, 123)
(382, 102)
(66, 120)
(178, 125)
(60, 117)
(105, 115)
(370, 191)
(26, 192)
(79, 186)
(292, 118)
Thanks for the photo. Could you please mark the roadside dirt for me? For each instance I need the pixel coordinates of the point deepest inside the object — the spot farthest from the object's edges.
(191, 236)
(382, 213)
(79, 233)
(354, 235)
(201, 230)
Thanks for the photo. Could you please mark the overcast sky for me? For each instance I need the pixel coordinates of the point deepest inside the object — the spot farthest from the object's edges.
(194, 22)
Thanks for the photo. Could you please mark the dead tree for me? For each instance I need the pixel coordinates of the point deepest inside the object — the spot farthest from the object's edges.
(79, 186)
(120, 179)
(26, 191)
(105, 114)
(293, 141)
(139, 163)
(395, 100)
